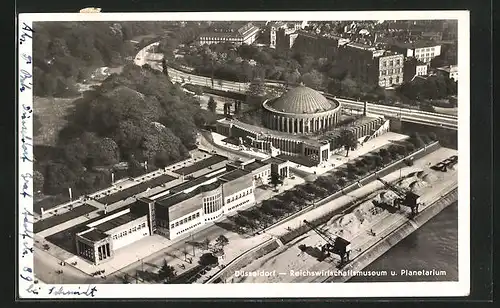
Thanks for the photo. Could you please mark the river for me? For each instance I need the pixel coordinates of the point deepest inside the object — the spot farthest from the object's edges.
(432, 246)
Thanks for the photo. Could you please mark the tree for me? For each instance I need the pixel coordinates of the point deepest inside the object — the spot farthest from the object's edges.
(222, 241)
(38, 181)
(212, 105)
(276, 179)
(166, 272)
(206, 243)
(58, 178)
(313, 79)
(348, 140)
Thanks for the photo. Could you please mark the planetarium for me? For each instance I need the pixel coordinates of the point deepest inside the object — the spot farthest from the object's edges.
(301, 110)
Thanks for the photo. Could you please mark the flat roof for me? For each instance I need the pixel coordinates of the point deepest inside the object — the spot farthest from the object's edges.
(191, 183)
(55, 220)
(94, 235)
(212, 160)
(136, 189)
(180, 197)
(416, 44)
(274, 160)
(117, 221)
(233, 175)
(254, 165)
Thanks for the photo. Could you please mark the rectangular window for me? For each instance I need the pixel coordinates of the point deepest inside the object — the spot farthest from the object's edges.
(144, 224)
(177, 224)
(198, 214)
(172, 226)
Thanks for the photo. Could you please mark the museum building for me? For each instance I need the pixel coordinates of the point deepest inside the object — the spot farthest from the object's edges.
(179, 210)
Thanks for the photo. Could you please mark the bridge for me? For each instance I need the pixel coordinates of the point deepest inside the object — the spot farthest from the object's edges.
(404, 114)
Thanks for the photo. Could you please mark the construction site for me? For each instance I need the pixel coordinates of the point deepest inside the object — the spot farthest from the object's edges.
(335, 239)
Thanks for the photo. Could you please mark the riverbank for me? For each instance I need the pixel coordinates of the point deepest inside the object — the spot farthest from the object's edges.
(391, 240)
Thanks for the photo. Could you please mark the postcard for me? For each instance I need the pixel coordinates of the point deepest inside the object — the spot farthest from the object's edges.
(243, 155)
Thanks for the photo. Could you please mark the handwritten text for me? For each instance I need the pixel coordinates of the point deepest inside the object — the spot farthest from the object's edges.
(25, 139)
(90, 292)
(26, 33)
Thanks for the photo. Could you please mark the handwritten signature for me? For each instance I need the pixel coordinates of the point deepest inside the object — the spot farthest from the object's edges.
(27, 177)
(24, 78)
(24, 133)
(27, 231)
(27, 58)
(26, 33)
(90, 292)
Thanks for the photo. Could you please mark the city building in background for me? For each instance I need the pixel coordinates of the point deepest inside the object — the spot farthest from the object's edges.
(372, 65)
(450, 71)
(233, 33)
(424, 51)
(413, 68)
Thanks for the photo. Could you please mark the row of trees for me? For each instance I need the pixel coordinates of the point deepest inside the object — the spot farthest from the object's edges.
(292, 201)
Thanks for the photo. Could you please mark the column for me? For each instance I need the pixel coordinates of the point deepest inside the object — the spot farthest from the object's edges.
(293, 126)
(282, 124)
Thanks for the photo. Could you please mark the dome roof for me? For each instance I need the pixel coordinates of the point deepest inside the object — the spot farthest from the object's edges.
(301, 100)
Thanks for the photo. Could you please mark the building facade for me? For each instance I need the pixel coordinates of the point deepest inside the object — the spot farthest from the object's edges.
(421, 50)
(413, 68)
(245, 34)
(449, 72)
(180, 210)
(371, 65)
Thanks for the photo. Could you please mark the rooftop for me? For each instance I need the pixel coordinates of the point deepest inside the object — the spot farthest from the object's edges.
(302, 100)
(253, 166)
(233, 175)
(191, 183)
(94, 235)
(117, 221)
(212, 160)
(136, 189)
(182, 196)
(274, 160)
(411, 45)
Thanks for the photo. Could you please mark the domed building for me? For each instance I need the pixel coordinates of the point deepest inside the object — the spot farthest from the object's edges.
(301, 110)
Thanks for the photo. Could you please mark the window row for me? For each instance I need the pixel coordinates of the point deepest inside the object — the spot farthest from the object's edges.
(129, 231)
(240, 195)
(212, 198)
(391, 62)
(391, 71)
(238, 205)
(193, 226)
(185, 220)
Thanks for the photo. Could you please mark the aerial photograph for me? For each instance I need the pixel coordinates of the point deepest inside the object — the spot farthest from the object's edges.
(209, 152)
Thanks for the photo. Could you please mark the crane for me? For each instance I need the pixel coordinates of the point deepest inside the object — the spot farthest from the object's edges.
(334, 244)
(405, 197)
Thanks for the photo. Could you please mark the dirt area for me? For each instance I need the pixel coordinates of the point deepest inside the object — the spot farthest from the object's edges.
(361, 224)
